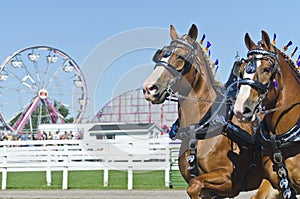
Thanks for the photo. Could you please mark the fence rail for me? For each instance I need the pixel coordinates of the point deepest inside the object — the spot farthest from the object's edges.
(66, 155)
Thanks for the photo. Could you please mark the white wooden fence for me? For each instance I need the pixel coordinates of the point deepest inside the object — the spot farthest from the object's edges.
(66, 155)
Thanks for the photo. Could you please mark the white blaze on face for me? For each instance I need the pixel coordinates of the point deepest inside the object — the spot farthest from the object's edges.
(159, 70)
(153, 79)
(244, 92)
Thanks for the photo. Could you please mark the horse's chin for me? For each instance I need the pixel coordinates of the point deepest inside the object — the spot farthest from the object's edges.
(246, 118)
(158, 98)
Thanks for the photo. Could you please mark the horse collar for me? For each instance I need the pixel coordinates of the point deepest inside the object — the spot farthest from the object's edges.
(283, 140)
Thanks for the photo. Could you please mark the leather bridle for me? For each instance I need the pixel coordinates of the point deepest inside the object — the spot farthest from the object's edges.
(168, 51)
(251, 67)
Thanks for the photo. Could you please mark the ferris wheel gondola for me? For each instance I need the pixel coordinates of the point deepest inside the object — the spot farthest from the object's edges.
(37, 84)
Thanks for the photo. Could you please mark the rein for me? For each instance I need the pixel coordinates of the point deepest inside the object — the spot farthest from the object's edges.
(268, 111)
(173, 95)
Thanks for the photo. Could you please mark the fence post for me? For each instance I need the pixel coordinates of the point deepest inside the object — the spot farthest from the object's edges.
(105, 177)
(65, 168)
(130, 178)
(4, 170)
(167, 170)
(48, 169)
(130, 167)
(105, 171)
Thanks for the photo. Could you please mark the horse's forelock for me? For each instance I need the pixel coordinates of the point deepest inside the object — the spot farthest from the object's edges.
(187, 38)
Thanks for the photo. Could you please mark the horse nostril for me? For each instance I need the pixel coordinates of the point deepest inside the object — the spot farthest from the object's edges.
(153, 89)
(150, 89)
(246, 110)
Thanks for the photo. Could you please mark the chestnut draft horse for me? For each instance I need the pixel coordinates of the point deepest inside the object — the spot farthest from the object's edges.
(270, 86)
(212, 164)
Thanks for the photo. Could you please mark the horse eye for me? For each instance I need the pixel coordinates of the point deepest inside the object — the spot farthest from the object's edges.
(267, 70)
(181, 57)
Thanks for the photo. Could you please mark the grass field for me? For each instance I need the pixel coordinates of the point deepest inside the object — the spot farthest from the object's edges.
(86, 180)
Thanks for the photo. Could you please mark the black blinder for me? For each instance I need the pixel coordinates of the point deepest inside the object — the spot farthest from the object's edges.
(237, 68)
(166, 53)
(251, 67)
(156, 57)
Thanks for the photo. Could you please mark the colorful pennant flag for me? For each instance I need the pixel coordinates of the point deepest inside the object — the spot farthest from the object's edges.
(208, 44)
(274, 39)
(287, 46)
(202, 39)
(295, 50)
(298, 60)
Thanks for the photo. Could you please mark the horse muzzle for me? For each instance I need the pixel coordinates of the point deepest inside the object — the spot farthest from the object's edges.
(155, 95)
(245, 113)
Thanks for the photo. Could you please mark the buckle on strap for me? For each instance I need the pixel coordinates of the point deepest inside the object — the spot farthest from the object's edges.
(193, 146)
(277, 157)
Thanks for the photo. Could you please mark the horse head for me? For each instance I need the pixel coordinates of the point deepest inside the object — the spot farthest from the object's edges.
(176, 67)
(259, 78)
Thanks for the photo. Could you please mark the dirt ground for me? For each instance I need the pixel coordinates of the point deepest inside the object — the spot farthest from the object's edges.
(96, 194)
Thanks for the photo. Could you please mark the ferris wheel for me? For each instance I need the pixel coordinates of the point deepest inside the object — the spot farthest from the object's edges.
(40, 85)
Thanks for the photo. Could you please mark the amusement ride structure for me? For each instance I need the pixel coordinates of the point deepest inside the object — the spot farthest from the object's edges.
(35, 84)
(131, 107)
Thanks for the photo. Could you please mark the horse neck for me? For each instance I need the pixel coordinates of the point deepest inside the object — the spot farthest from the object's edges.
(287, 99)
(199, 100)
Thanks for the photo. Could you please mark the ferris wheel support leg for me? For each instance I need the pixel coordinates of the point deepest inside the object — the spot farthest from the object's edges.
(56, 113)
(26, 114)
(2, 120)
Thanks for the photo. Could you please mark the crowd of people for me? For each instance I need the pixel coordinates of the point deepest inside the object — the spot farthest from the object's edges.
(42, 135)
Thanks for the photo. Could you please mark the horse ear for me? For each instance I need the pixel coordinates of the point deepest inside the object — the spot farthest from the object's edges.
(173, 32)
(266, 39)
(249, 43)
(193, 32)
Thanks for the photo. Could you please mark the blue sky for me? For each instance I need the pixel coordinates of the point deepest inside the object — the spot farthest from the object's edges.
(77, 27)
